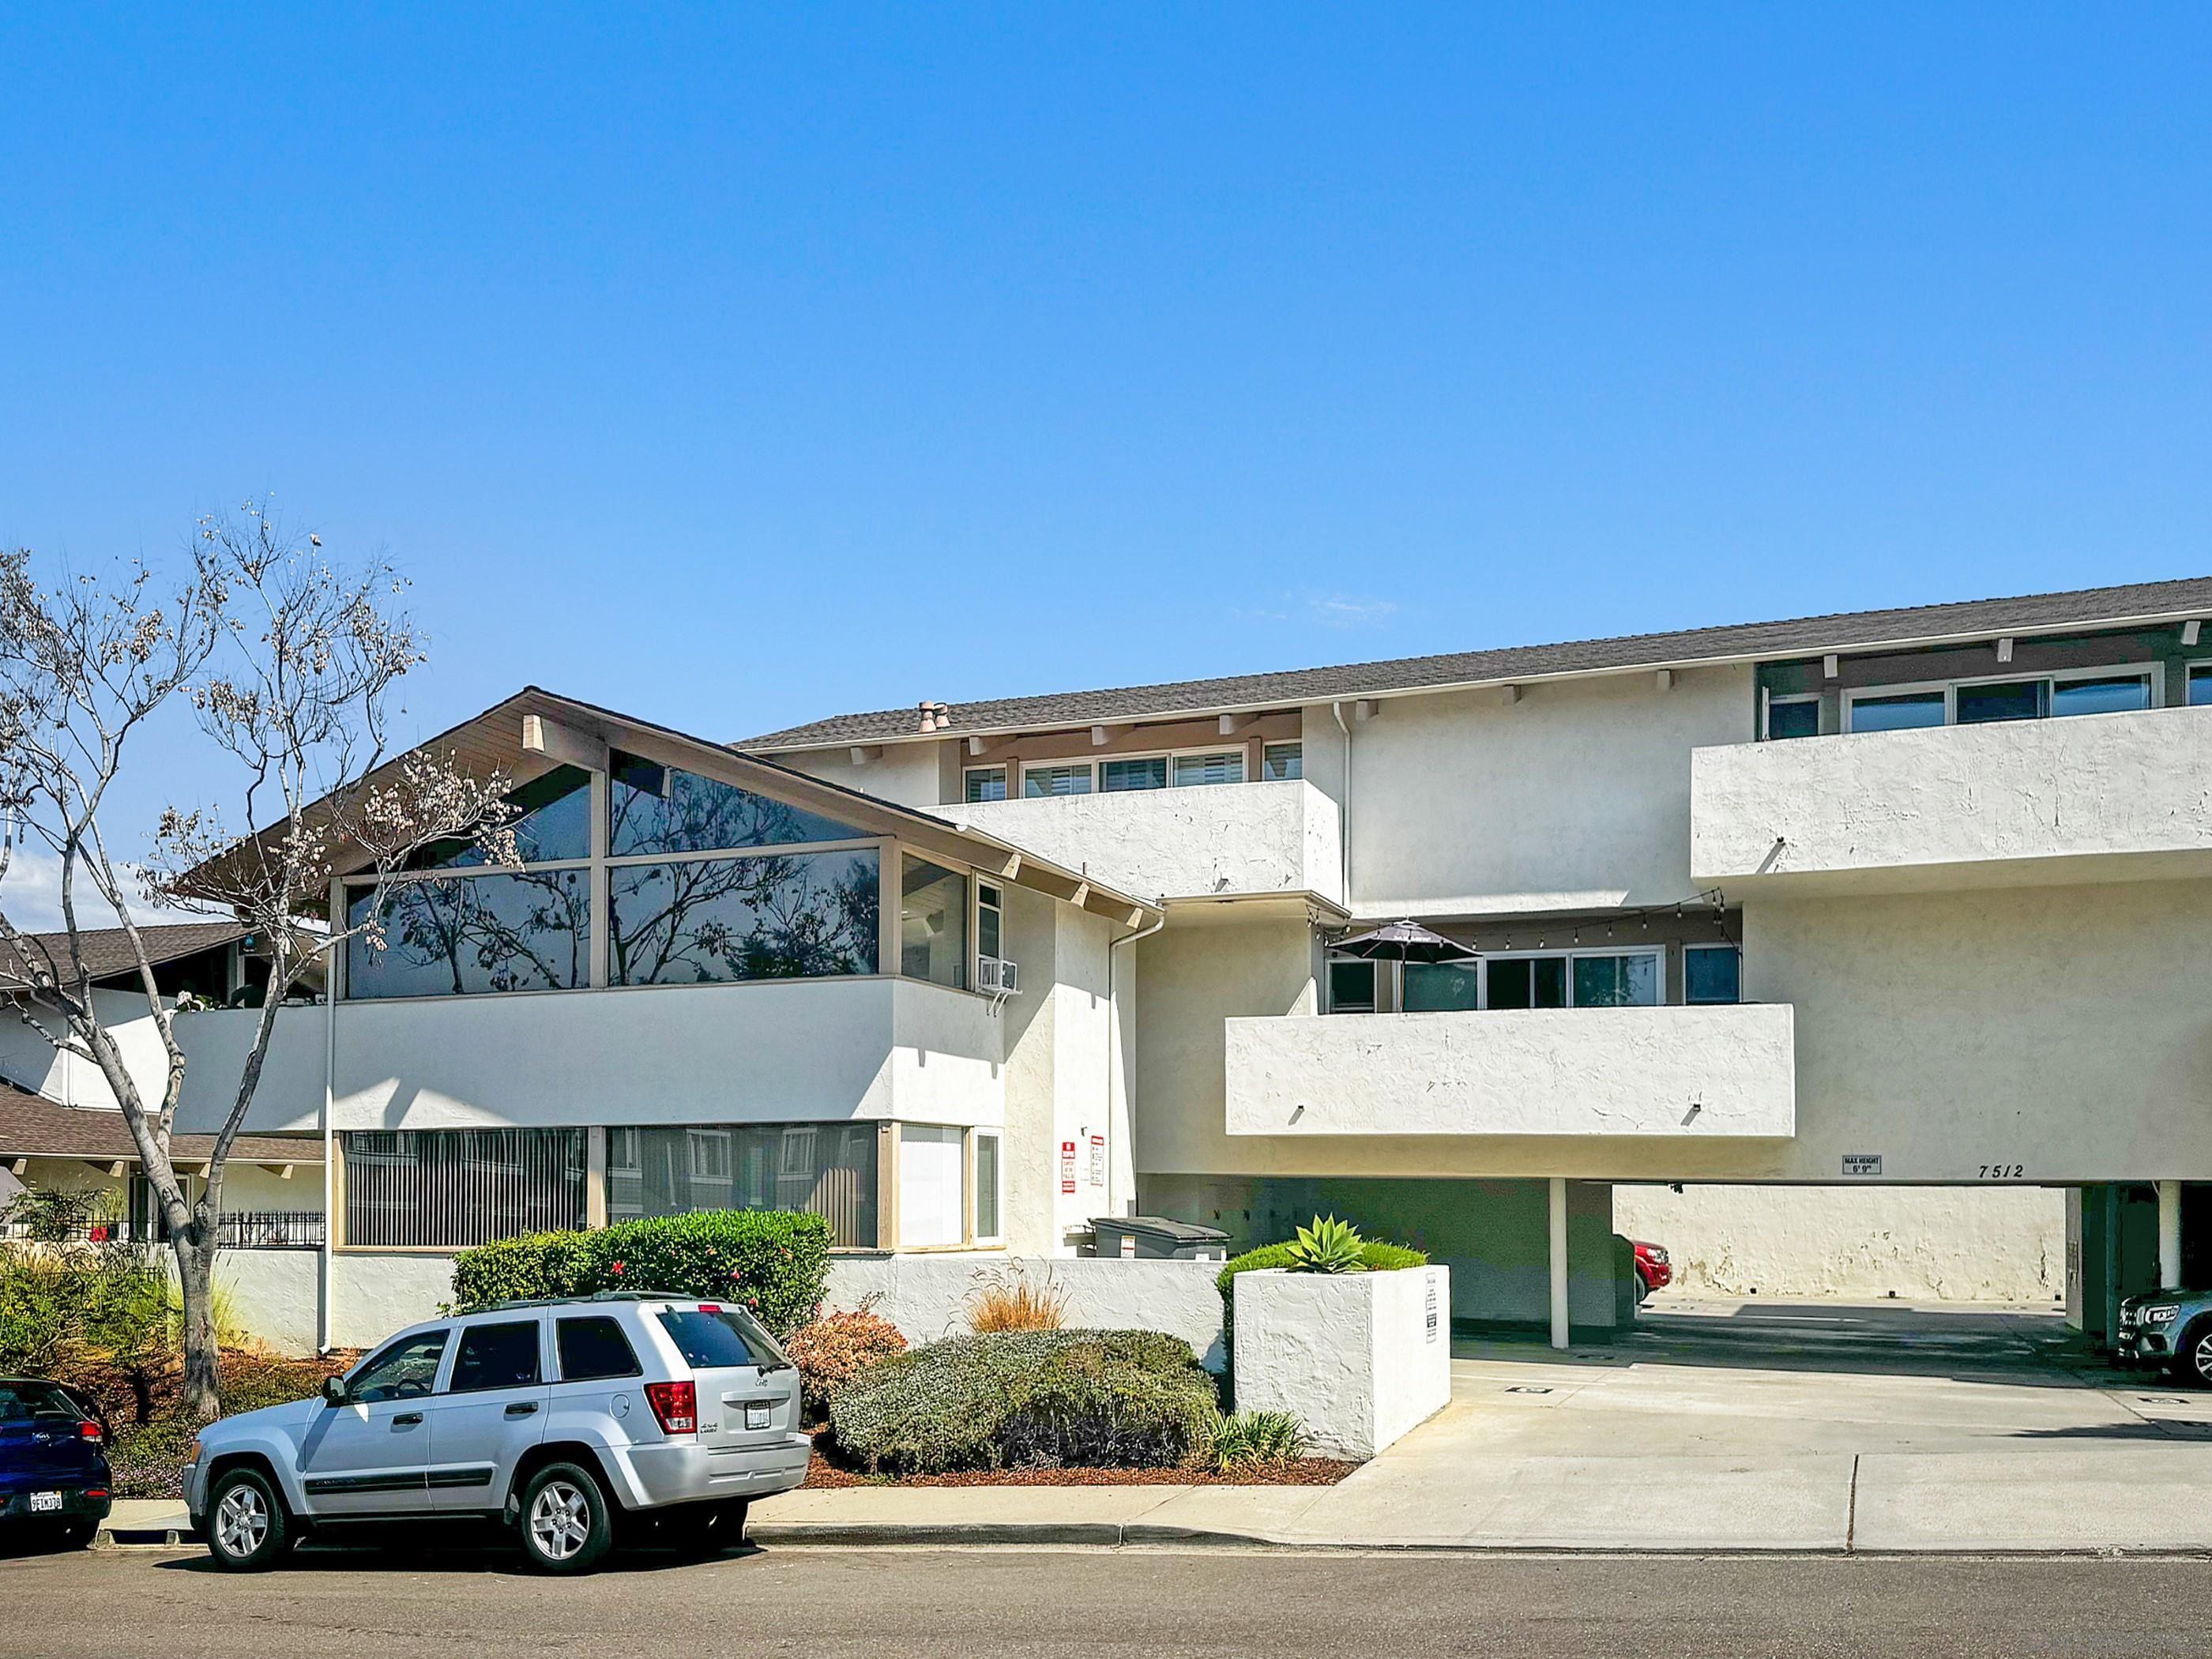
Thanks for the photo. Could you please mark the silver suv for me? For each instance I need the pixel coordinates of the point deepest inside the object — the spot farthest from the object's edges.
(566, 1420)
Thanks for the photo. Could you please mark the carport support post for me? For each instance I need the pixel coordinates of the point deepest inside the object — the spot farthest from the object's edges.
(2169, 1234)
(1559, 1206)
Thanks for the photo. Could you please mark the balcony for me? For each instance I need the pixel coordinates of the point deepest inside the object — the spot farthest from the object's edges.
(1231, 841)
(1679, 1072)
(2022, 802)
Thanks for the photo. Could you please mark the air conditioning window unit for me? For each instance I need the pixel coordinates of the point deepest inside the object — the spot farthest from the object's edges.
(996, 976)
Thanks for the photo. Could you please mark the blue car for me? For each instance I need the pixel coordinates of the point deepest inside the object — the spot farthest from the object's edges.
(54, 1481)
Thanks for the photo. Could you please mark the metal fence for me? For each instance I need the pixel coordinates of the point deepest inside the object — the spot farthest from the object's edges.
(236, 1230)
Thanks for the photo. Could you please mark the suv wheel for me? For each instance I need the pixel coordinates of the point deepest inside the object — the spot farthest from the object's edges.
(2193, 1365)
(566, 1526)
(699, 1530)
(247, 1531)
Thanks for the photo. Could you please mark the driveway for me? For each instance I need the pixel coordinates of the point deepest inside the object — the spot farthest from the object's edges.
(1773, 1425)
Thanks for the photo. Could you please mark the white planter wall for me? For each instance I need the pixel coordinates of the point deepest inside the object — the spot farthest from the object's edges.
(1361, 1358)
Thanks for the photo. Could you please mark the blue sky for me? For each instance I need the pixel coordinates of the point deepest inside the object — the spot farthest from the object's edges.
(733, 368)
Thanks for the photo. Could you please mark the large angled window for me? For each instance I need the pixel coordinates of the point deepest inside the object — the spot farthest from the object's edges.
(772, 916)
(660, 809)
(553, 823)
(460, 935)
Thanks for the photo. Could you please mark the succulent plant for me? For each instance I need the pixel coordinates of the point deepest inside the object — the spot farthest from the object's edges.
(1330, 1246)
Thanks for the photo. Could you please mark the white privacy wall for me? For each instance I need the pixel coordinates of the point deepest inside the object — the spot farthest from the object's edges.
(1213, 842)
(1359, 1358)
(1694, 1072)
(2092, 797)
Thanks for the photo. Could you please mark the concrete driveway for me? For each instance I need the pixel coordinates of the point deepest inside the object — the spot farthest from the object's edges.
(1774, 1426)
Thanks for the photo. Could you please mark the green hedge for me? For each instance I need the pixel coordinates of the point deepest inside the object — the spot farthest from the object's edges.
(1374, 1256)
(773, 1262)
(1027, 1399)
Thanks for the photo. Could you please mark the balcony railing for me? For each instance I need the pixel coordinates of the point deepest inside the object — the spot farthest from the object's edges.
(257, 1229)
(1672, 1072)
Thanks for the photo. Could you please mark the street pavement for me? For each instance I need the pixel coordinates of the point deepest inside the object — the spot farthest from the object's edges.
(1039, 1603)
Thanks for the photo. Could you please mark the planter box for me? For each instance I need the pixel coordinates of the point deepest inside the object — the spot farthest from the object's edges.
(1362, 1358)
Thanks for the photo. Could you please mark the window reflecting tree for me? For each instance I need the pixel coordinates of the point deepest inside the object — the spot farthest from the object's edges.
(530, 931)
(790, 915)
(660, 809)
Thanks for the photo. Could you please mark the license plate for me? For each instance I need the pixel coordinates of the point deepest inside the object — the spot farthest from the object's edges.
(757, 1414)
(42, 1501)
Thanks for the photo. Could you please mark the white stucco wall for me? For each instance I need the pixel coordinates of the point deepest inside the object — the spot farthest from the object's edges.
(375, 1292)
(908, 773)
(1360, 1358)
(1233, 839)
(1695, 1072)
(2097, 797)
(1940, 1244)
(1576, 797)
(270, 1295)
(928, 1296)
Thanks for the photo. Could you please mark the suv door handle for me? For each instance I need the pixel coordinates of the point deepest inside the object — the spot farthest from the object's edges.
(406, 1418)
(522, 1408)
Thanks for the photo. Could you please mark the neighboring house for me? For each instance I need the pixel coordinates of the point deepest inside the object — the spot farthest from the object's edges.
(1912, 897)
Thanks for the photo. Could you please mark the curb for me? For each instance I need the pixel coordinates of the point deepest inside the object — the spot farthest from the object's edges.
(141, 1537)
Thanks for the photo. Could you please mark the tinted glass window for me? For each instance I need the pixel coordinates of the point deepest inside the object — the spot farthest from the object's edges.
(708, 1341)
(20, 1402)
(594, 1348)
(2012, 700)
(932, 922)
(1115, 775)
(1352, 987)
(1432, 986)
(2200, 687)
(461, 935)
(1194, 770)
(827, 1167)
(501, 1356)
(1713, 974)
(402, 1371)
(1279, 762)
(988, 917)
(440, 1187)
(1625, 982)
(776, 915)
(987, 783)
(987, 1186)
(1897, 714)
(1528, 982)
(1801, 719)
(554, 821)
(2115, 694)
(1056, 780)
(659, 809)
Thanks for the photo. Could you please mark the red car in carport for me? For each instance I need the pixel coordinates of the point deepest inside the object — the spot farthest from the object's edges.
(1654, 1271)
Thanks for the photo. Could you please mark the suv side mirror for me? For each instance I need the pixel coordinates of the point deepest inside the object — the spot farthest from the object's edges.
(334, 1392)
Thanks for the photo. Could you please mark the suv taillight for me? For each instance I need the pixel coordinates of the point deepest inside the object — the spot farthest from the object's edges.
(676, 1405)
(88, 1431)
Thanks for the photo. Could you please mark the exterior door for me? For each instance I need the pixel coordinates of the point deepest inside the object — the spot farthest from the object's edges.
(492, 1410)
(371, 1455)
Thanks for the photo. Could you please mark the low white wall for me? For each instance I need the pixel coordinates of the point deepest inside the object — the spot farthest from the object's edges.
(1359, 1357)
(375, 1294)
(268, 1295)
(1941, 1244)
(927, 1297)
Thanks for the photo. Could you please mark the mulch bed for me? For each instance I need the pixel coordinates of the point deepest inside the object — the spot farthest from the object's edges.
(823, 1474)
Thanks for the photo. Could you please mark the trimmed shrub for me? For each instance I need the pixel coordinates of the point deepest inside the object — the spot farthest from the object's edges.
(776, 1262)
(831, 1350)
(1026, 1399)
(1375, 1257)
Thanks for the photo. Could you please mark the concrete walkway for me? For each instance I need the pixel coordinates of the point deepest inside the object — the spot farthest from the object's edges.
(1712, 1427)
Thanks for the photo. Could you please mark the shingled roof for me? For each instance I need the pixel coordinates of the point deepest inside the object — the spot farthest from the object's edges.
(1853, 631)
(107, 952)
(31, 1126)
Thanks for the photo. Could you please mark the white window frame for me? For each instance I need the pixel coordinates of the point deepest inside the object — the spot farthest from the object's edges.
(1657, 952)
(1095, 763)
(1715, 944)
(1767, 701)
(976, 1137)
(1006, 783)
(2153, 673)
(976, 906)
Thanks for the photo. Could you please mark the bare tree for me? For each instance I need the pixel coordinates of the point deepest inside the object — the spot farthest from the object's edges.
(288, 666)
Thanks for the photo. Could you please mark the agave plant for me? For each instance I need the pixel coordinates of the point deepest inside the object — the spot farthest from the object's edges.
(1330, 1246)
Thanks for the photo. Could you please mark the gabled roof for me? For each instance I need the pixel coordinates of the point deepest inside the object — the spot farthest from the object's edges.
(107, 952)
(1851, 631)
(493, 741)
(31, 1126)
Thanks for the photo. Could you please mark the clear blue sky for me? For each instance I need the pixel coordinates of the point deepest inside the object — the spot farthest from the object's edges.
(737, 367)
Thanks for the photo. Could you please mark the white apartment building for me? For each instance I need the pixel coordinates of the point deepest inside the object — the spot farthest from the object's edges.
(1910, 896)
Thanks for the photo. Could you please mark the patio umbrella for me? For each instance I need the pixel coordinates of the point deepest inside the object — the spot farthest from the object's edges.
(1404, 941)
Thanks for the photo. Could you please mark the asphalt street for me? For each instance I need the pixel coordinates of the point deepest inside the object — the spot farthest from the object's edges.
(1165, 1605)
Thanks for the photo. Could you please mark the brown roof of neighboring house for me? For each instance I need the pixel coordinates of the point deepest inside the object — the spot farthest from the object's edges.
(107, 950)
(1853, 631)
(32, 1126)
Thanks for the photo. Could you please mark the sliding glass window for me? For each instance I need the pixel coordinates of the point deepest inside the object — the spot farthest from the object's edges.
(827, 1167)
(772, 916)
(446, 1188)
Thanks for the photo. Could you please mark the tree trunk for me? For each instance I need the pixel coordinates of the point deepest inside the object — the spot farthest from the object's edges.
(195, 1251)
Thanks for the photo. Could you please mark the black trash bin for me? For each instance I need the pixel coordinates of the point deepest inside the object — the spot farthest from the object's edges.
(1156, 1238)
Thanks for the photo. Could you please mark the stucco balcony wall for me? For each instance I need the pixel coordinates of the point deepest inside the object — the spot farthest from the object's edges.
(1680, 1073)
(1230, 839)
(2092, 797)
